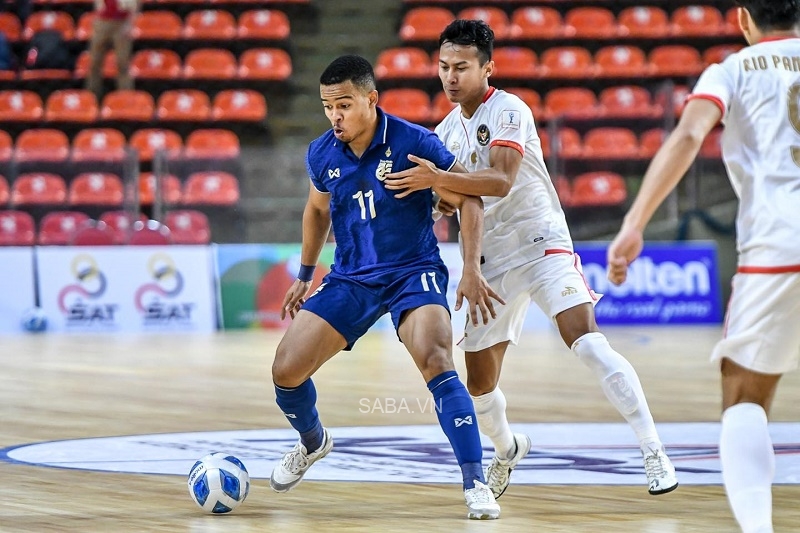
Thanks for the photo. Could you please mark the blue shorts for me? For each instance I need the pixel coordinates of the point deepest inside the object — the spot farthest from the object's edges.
(353, 306)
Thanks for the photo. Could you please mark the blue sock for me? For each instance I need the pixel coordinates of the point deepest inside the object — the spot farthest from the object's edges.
(457, 418)
(299, 407)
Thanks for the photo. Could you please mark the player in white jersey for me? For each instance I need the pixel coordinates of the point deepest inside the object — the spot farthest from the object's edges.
(527, 251)
(756, 94)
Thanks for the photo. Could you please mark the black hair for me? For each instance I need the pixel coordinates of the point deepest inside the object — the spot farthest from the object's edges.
(773, 14)
(349, 68)
(470, 33)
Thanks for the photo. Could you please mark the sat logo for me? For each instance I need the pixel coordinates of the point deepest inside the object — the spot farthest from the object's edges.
(77, 301)
(155, 301)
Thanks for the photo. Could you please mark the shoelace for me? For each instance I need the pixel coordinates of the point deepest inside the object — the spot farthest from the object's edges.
(481, 493)
(295, 460)
(654, 466)
(497, 473)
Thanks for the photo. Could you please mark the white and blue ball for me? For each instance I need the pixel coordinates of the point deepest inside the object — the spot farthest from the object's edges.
(219, 483)
(34, 320)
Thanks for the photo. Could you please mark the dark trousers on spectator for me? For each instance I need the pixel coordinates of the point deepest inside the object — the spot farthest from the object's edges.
(118, 34)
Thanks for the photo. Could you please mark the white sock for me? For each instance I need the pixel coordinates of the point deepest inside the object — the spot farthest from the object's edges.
(748, 465)
(490, 409)
(620, 384)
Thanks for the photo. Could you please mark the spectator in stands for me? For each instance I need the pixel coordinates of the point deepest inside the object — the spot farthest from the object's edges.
(22, 8)
(112, 25)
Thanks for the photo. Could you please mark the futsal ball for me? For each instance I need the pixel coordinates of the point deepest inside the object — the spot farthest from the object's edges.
(219, 483)
(34, 320)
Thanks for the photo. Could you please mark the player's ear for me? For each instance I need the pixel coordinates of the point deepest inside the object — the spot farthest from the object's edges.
(745, 23)
(372, 97)
(489, 68)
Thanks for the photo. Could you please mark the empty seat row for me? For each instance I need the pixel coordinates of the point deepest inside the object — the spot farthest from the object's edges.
(627, 101)
(108, 144)
(564, 62)
(592, 189)
(426, 23)
(106, 189)
(78, 105)
(255, 64)
(207, 24)
(18, 228)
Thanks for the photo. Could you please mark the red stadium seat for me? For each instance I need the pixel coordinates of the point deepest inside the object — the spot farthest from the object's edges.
(591, 23)
(265, 64)
(38, 189)
(536, 23)
(157, 25)
(239, 105)
(610, 143)
(121, 222)
(211, 188)
(85, 26)
(128, 106)
(673, 101)
(413, 105)
(644, 22)
(188, 227)
(621, 62)
(98, 144)
(495, 17)
(425, 23)
(209, 25)
(10, 26)
(407, 62)
(650, 141)
(109, 69)
(170, 189)
(571, 101)
(530, 97)
(60, 21)
(42, 145)
(156, 64)
(514, 62)
(598, 189)
(675, 60)
(263, 24)
(209, 64)
(564, 191)
(94, 233)
(718, 54)
(569, 143)
(147, 141)
(71, 105)
(20, 106)
(628, 101)
(567, 62)
(44, 74)
(5, 191)
(712, 145)
(212, 144)
(150, 233)
(183, 104)
(57, 227)
(6, 147)
(16, 228)
(96, 188)
(697, 21)
(731, 23)
(441, 107)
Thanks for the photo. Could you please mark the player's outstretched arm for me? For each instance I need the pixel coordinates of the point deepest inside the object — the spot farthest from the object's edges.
(496, 180)
(473, 286)
(666, 170)
(316, 225)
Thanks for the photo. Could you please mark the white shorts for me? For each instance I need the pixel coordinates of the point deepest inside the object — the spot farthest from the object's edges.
(762, 328)
(554, 282)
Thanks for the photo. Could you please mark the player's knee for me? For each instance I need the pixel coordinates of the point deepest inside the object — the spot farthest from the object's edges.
(480, 384)
(284, 372)
(436, 362)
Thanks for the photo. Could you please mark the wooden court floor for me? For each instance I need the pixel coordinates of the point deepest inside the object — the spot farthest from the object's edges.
(67, 387)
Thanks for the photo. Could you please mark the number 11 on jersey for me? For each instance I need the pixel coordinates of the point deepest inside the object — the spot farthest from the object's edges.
(425, 286)
(369, 195)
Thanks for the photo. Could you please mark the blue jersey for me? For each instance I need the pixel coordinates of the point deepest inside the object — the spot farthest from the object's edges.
(374, 230)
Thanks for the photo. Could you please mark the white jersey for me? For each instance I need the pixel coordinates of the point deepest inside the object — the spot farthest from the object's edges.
(758, 91)
(522, 226)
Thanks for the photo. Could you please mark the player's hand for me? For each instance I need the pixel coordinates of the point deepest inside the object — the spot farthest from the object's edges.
(412, 179)
(625, 247)
(479, 294)
(445, 208)
(295, 298)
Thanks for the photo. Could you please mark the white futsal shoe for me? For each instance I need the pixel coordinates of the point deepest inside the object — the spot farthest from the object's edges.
(481, 504)
(498, 474)
(661, 476)
(293, 466)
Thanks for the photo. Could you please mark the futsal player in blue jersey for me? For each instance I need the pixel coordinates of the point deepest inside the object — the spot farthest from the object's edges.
(386, 260)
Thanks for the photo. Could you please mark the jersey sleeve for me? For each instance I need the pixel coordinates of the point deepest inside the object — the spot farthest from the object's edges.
(433, 149)
(715, 85)
(316, 181)
(511, 122)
